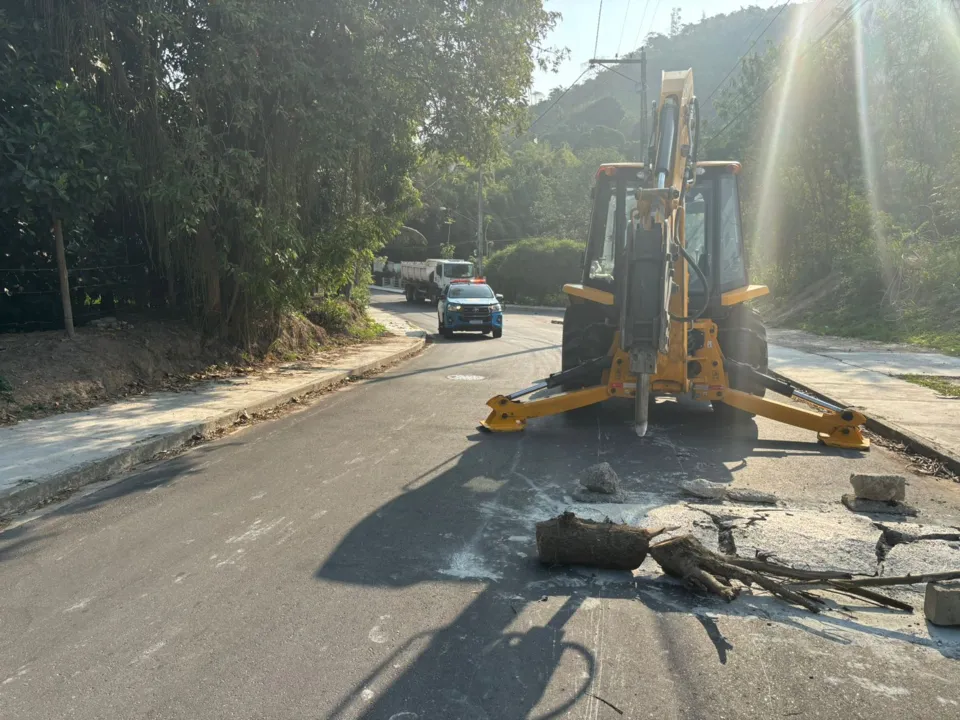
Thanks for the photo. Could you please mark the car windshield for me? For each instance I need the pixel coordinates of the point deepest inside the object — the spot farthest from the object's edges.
(471, 291)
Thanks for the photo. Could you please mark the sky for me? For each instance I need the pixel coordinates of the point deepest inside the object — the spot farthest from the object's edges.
(623, 24)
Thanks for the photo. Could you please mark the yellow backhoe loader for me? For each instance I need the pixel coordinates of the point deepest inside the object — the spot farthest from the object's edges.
(661, 306)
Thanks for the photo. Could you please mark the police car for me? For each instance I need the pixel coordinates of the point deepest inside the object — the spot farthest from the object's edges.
(470, 304)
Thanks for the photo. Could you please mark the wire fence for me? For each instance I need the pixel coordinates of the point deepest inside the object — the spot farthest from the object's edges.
(30, 298)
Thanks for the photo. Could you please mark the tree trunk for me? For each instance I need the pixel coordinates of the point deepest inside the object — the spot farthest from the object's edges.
(210, 270)
(64, 280)
(568, 540)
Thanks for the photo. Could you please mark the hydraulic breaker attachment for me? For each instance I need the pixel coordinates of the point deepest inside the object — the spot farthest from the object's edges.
(835, 426)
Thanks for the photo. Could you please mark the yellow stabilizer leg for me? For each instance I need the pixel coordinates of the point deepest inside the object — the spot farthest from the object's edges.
(508, 415)
(836, 429)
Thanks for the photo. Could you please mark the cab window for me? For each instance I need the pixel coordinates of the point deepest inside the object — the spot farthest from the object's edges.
(695, 229)
(458, 270)
(733, 270)
(605, 251)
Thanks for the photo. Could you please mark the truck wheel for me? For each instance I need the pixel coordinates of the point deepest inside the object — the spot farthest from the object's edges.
(498, 332)
(584, 338)
(742, 337)
(408, 293)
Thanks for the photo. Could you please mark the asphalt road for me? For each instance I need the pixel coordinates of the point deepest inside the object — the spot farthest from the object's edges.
(373, 556)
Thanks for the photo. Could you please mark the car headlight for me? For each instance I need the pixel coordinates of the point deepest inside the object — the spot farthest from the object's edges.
(454, 308)
(496, 308)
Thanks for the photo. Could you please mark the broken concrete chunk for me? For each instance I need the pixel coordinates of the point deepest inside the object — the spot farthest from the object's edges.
(601, 478)
(860, 505)
(704, 489)
(599, 484)
(941, 605)
(884, 488)
(587, 496)
(717, 491)
(751, 496)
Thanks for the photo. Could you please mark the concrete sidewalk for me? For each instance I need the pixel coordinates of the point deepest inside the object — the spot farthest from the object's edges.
(864, 375)
(42, 458)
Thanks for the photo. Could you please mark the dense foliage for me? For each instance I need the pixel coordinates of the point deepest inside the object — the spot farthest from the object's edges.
(229, 158)
(851, 171)
(533, 271)
(849, 133)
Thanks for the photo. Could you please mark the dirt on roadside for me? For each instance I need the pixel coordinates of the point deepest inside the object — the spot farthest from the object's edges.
(44, 373)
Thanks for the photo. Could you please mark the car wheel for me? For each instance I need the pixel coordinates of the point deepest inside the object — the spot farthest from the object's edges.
(498, 332)
(442, 329)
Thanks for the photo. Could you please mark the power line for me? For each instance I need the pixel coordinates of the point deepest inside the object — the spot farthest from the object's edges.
(626, 14)
(596, 42)
(653, 17)
(553, 104)
(643, 17)
(650, 26)
(825, 20)
(752, 46)
(842, 20)
(763, 16)
(616, 72)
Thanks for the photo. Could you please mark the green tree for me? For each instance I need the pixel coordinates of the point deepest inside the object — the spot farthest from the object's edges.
(676, 21)
(275, 143)
(534, 270)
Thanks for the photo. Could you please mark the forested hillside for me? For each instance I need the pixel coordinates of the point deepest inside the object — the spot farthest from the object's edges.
(846, 116)
(540, 186)
(225, 160)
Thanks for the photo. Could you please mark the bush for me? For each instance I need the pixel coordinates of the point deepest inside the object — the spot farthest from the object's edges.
(534, 271)
(334, 314)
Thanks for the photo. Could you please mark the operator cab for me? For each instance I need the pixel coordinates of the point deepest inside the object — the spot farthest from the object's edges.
(713, 228)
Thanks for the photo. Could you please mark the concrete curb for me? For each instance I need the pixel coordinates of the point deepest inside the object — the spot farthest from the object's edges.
(887, 429)
(33, 492)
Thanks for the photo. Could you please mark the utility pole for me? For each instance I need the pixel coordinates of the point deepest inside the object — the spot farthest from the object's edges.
(643, 94)
(480, 225)
(642, 62)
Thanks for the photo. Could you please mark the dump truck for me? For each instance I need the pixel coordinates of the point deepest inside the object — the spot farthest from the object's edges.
(425, 281)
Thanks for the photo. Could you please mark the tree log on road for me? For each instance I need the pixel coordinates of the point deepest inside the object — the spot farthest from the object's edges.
(568, 540)
(686, 558)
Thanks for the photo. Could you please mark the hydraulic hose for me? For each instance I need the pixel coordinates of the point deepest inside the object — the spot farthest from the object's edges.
(706, 287)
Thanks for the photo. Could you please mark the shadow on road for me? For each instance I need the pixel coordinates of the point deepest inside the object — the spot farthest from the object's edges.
(474, 523)
(485, 359)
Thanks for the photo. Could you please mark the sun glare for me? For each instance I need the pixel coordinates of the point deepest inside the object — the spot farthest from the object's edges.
(867, 153)
(784, 105)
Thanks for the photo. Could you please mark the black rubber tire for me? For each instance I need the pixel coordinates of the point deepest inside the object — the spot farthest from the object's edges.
(579, 345)
(742, 337)
(442, 330)
(408, 293)
(497, 333)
